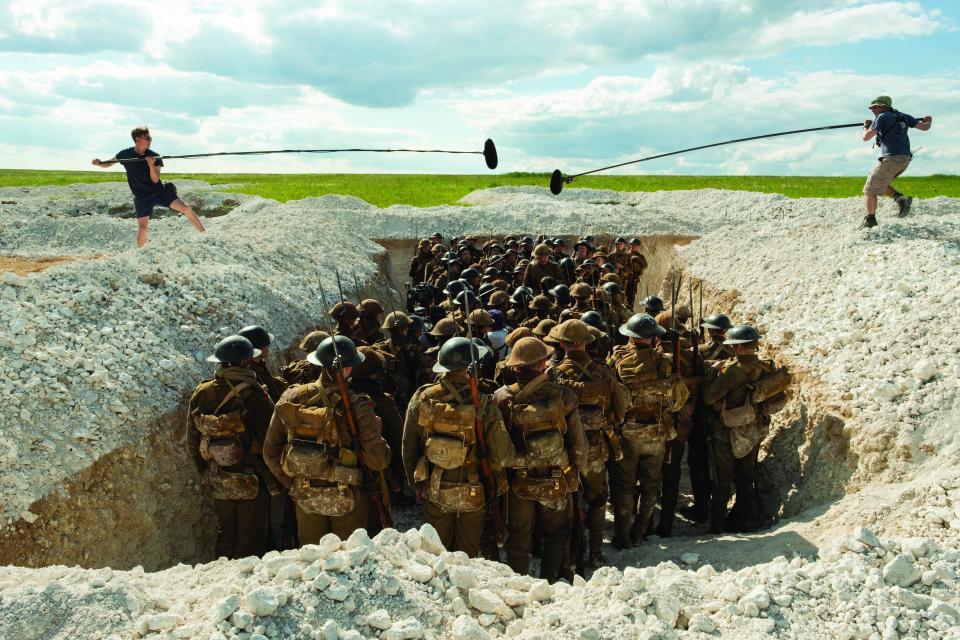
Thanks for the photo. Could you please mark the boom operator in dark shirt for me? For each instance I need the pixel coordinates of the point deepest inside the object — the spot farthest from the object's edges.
(143, 176)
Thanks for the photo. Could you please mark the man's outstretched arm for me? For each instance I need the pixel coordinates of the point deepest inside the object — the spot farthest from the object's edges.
(925, 123)
(104, 164)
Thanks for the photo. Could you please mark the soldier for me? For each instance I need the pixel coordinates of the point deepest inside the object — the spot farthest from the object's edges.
(561, 299)
(304, 371)
(652, 305)
(346, 315)
(368, 327)
(261, 340)
(444, 329)
(419, 262)
(603, 345)
(504, 375)
(745, 391)
(602, 403)
(472, 276)
(310, 448)
(588, 272)
(519, 300)
(581, 294)
(636, 266)
(717, 326)
(542, 268)
(227, 419)
(440, 450)
(683, 420)
(543, 420)
(655, 393)
(539, 307)
(617, 309)
(499, 301)
(699, 458)
(559, 249)
(400, 364)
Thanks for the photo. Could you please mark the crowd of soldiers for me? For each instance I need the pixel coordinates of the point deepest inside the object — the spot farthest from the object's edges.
(514, 398)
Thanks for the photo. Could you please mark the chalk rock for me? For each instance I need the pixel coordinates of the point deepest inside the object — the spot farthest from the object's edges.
(154, 278)
(540, 591)
(901, 572)
(339, 561)
(590, 633)
(912, 600)
(12, 279)
(463, 576)
(466, 628)
(241, 619)
(419, 572)
(486, 601)
(262, 601)
(924, 370)
(164, 621)
(380, 619)
(689, 558)
(274, 564)
(885, 392)
(702, 623)
(430, 539)
(330, 630)
(225, 608)
(866, 537)
(337, 591)
(406, 629)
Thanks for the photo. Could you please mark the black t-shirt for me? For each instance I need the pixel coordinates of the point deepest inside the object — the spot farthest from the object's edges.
(138, 173)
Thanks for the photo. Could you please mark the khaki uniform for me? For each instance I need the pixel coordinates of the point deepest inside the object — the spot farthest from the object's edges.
(535, 272)
(418, 265)
(274, 385)
(391, 423)
(672, 465)
(310, 449)
(699, 456)
(543, 421)
(399, 370)
(227, 420)
(441, 458)
(300, 372)
(654, 394)
(602, 403)
(736, 437)
(634, 271)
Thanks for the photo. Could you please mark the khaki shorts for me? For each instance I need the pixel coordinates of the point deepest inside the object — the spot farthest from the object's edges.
(883, 173)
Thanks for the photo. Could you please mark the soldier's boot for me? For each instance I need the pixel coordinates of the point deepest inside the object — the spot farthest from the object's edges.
(641, 524)
(623, 520)
(596, 520)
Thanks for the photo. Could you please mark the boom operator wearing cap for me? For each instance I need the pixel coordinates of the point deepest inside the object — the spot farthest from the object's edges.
(889, 127)
(144, 180)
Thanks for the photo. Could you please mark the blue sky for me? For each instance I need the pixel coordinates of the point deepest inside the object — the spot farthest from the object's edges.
(557, 84)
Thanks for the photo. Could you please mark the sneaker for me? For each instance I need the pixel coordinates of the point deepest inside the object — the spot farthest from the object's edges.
(903, 205)
(868, 221)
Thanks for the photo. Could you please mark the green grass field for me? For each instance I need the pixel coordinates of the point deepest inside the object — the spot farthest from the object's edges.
(429, 190)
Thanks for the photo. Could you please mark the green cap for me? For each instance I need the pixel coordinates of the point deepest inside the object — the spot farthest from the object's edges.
(882, 101)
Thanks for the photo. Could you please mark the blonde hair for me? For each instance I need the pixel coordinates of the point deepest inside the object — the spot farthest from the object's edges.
(140, 132)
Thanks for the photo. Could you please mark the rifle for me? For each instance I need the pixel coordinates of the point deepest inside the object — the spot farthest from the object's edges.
(675, 346)
(356, 288)
(369, 478)
(486, 473)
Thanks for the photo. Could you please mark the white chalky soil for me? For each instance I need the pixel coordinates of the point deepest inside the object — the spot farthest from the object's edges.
(861, 465)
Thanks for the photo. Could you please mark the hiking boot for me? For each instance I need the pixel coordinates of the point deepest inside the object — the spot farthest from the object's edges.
(868, 221)
(903, 205)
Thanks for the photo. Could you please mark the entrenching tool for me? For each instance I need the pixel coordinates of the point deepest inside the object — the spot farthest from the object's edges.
(557, 179)
(486, 473)
(489, 153)
(370, 479)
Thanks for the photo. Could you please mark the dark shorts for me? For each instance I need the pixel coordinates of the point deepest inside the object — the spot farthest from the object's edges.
(162, 198)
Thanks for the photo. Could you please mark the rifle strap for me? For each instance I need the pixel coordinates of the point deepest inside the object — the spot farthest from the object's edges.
(519, 394)
(234, 391)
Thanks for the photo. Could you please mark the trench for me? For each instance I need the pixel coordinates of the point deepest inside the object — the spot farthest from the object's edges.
(142, 504)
